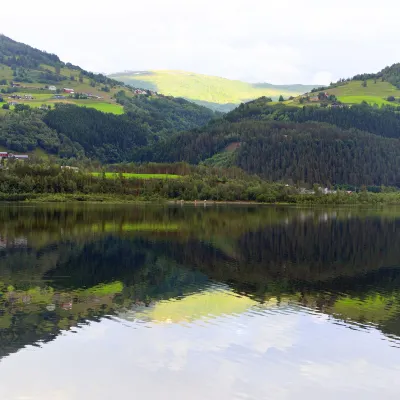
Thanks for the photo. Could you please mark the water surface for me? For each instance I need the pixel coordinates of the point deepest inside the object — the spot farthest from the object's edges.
(228, 302)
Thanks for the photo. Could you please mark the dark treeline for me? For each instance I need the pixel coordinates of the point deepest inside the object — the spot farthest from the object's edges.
(383, 121)
(107, 137)
(299, 153)
(163, 114)
(314, 152)
(73, 132)
(26, 131)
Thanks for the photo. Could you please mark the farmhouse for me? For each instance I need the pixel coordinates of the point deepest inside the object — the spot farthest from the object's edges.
(52, 88)
(140, 91)
(67, 90)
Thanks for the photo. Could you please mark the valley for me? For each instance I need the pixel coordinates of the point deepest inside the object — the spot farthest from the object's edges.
(92, 137)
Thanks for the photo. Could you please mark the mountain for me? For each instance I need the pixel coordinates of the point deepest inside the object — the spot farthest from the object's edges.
(37, 113)
(217, 93)
(330, 145)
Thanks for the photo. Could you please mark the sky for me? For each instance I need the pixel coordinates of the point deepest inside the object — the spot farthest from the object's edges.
(281, 42)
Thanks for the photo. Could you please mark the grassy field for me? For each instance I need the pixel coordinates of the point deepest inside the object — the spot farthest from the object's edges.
(203, 87)
(46, 99)
(128, 175)
(375, 93)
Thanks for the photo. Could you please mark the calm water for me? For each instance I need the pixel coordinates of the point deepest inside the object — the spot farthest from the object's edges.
(128, 302)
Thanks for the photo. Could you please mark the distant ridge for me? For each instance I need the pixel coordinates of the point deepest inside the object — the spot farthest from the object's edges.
(212, 91)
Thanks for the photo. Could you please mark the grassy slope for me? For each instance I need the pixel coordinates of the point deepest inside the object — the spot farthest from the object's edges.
(202, 87)
(106, 104)
(375, 93)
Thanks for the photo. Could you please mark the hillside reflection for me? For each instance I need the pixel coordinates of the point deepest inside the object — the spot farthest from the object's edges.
(62, 267)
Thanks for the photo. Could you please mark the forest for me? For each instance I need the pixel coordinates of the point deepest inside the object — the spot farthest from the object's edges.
(356, 145)
(73, 132)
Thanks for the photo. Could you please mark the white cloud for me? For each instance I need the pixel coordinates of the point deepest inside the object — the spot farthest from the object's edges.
(281, 42)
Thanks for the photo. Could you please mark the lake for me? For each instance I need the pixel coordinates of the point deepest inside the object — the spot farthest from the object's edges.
(105, 302)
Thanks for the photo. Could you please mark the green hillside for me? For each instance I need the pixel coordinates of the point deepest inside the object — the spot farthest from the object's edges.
(27, 73)
(38, 79)
(382, 88)
(103, 119)
(212, 91)
(375, 92)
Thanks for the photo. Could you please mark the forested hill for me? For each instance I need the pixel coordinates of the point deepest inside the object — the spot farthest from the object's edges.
(345, 145)
(29, 64)
(36, 78)
(69, 131)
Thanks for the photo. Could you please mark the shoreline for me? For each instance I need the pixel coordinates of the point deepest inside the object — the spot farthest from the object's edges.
(374, 200)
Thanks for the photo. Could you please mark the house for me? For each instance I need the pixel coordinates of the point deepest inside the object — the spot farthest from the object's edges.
(5, 154)
(12, 103)
(52, 88)
(15, 84)
(139, 91)
(67, 90)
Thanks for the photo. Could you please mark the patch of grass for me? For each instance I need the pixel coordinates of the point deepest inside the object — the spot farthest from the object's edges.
(104, 107)
(128, 175)
(200, 87)
(6, 72)
(369, 99)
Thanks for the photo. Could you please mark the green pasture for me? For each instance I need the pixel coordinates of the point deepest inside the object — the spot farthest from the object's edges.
(129, 175)
(374, 93)
(368, 99)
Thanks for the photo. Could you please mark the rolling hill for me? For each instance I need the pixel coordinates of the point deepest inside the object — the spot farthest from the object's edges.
(217, 93)
(34, 77)
(38, 110)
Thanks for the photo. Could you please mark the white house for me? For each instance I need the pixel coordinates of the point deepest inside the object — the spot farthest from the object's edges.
(52, 88)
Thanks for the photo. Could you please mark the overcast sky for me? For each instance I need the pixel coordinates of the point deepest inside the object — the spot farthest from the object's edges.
(279, 41)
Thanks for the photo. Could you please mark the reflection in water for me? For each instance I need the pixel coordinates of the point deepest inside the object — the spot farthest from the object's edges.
(216, 302)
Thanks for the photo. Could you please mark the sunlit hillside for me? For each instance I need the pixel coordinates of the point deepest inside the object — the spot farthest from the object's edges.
(206, 89)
